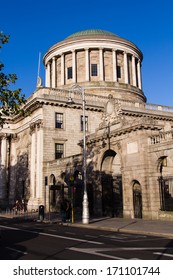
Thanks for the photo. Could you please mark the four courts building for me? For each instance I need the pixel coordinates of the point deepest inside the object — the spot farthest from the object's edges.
(129, 143)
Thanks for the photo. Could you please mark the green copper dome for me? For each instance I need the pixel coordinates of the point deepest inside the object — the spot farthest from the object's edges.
(91, 32)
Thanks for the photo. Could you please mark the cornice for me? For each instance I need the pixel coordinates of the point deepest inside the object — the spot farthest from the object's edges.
(143, 112)
(119, 132)
(91, 42)
(59, 98)
(39, 102)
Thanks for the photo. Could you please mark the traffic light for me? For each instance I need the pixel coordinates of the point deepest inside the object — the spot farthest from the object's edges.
(71, 181)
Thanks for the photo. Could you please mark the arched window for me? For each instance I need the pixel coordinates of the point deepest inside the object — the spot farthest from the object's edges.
(137, 200)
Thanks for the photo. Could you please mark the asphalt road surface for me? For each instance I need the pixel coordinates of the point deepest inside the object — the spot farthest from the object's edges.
(43, 241)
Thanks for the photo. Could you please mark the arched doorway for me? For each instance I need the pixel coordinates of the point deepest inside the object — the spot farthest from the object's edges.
(111, 180)
(137, 200)
(165, 184)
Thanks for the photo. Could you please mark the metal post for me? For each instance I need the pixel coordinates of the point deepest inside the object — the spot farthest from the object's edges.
(85, 213)
(45, 186)
(72, 210)
(49, 203)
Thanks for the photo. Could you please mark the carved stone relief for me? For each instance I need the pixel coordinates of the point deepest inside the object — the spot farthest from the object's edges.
(112, 113)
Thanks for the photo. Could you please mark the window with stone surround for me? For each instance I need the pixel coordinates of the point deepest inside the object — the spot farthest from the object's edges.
(86, 123)
(59, 150)
(93, 69)
(69, 73)
(58, 120)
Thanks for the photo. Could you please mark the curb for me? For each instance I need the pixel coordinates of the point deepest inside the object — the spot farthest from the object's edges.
(112, 229)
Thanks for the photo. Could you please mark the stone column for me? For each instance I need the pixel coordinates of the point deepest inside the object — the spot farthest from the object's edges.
(125, 69)
(74, 66)
(62, 69)
(3, 151)
(54, 72)
(3, 168)
(87, 65)
(39, 162)
(33, 162)
(134, 70)
(139, 74)
(13, 168)
(48, 74)
(114, 65)
(101, 64)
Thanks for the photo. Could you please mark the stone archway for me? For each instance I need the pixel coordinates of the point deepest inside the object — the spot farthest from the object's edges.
(137, 200)
(165, 184)
(111, 180)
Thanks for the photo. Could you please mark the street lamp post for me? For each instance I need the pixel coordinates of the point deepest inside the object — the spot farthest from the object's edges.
(85, 210)
(85, 213)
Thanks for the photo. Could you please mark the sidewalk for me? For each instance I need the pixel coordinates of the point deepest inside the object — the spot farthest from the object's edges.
(136, 226)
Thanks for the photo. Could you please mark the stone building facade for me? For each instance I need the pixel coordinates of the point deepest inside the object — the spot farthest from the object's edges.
(129, 142)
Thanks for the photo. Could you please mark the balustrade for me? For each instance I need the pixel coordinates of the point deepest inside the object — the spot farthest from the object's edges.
(162, 137)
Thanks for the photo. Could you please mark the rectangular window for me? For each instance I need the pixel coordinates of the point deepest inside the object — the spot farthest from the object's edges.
(69, 73)
(59, 151)
(119, 72)
(58, 120)
(93, 69)
(86, 123)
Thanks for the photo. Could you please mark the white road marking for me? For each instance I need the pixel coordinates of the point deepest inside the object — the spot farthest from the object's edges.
(135, 240)
(18, 251)
(68, 232)
(91, 236)
(115, 237)
(127, 248)
(95, 251)
(53, 235)
(129, 235)
(125, 238)
(144, 248)
(163, 254)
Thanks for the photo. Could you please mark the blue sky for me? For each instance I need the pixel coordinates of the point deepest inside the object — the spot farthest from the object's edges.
(35, 25)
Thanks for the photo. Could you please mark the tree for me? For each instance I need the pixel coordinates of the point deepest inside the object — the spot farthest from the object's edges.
(11, 101)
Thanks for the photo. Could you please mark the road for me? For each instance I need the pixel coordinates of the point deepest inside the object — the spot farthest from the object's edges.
(43, 241)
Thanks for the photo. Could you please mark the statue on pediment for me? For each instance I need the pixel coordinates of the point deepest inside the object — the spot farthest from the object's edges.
(39, 82)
